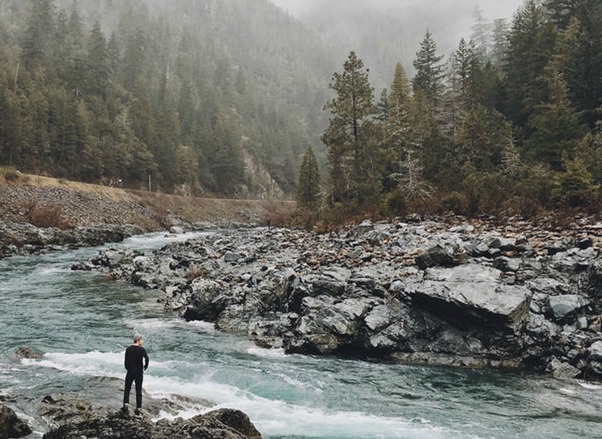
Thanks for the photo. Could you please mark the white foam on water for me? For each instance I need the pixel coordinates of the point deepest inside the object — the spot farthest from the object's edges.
(271, 417)
(279, 418)
(590, 386)
(200, 324)
(266, 353)
(157, 323)
(90, 363)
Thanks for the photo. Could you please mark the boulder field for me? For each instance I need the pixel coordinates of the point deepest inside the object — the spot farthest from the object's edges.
(516, 297)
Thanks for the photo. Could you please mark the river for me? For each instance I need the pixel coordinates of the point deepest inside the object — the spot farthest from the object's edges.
(82, 323)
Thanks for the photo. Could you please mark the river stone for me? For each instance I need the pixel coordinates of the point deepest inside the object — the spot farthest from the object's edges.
(562, 370)
(10, 425)
(561, 306)
(29, 353)
(378, 318)
(440, 255)
(595, 350)
(504, 263)
(472, 294)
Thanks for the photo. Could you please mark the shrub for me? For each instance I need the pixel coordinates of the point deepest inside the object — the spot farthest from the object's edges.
(575, 187)
(395, 202)
(456, 202)
(11, 175)
(48, 216)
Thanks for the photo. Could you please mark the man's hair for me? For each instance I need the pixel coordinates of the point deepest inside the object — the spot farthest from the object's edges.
(137, 338)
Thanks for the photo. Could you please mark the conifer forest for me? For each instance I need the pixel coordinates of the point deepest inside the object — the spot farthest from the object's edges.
(236, 98)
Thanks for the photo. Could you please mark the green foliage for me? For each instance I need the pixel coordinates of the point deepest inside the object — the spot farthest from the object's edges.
(395, 202)
(309, 191)
(486, 191)
(555, 124)
(589, 150)
(352, 137)
(104, 91)
(575, 187)
(456, 202)
(429, 70)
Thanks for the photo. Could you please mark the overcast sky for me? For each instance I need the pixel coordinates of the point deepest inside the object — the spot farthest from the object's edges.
(491, 8)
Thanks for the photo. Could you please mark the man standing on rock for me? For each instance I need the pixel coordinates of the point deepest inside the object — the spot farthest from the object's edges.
(134, 356)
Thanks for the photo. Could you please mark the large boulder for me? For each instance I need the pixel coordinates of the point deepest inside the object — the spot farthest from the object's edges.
(71, 418)
(472, 295)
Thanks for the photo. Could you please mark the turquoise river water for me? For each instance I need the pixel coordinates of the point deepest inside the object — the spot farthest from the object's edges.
(82, 323)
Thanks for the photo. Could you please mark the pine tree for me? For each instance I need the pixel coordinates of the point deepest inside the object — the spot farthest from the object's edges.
(36, 45)
(499, 35)
(399, 139)
(309, 189)
(351, 137)
(579, 23)
(555, 125)
(429, 70)
(481, 33)
(532, 40)
(98, 64)
(463, 79)
(575, 186)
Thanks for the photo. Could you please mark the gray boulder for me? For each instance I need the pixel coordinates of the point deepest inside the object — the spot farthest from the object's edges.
(566, 304)
(471, 295)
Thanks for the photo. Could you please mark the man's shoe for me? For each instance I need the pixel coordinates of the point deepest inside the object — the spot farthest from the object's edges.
(125, 409)
(137, 412)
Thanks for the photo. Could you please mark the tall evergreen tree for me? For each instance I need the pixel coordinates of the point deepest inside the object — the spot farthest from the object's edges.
(351, 136)
(40, 27)
(555, 125)
(98, 63)
(579, 50)
(309, 191)
(429, 70)
(398, 135)
(481, 33)
(532, 40)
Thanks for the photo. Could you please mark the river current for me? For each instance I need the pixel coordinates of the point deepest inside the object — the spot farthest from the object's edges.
(82, 323)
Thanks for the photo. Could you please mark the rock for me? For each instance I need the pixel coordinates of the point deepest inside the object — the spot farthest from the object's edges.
(563, 305)
(440, 255)
(10, 425)
(476, 295)
(472, 295)
(504, 263)
(29, 353)
(71, 418)
(562, 370)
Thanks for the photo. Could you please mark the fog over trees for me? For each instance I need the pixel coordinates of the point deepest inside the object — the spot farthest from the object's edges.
(464, 108)
(384, 32)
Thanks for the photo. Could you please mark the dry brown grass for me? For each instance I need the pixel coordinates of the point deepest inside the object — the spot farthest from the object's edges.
(191, 209)
(166, 207)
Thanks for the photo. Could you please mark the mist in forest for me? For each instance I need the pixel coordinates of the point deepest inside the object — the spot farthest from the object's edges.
(452, 10)
(384, 32)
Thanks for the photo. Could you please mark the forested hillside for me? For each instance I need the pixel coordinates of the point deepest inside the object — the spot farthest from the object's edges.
(510, 122)
(194, 96)
(226, 97)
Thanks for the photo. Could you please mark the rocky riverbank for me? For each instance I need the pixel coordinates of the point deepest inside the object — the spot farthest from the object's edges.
(39, 214)
(514, 297)
(67, 417)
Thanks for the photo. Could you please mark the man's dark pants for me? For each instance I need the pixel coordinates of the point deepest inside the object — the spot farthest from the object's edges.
(133, 376)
